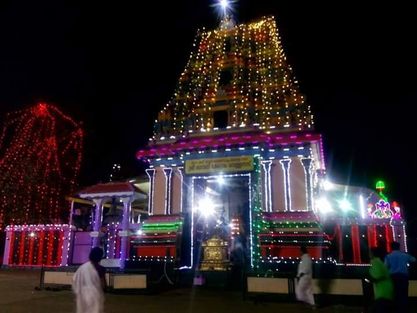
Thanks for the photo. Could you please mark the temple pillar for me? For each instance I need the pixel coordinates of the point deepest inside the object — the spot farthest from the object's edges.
(151, 175)
(97, 221)
(307, 162)
(285, 163)
(177, 190)
(168, 191)
(266, 165)
(278, 187)
(124, 233)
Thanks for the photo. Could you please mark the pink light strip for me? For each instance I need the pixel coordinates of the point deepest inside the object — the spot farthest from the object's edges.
(213, 141)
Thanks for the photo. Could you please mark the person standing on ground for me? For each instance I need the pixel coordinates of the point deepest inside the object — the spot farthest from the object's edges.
(380, 277)
(304, 283)
(89, 283)
(238, 262)
(397, 263)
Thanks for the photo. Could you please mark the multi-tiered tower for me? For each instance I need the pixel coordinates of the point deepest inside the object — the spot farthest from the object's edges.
(235, 153)
(235, 177)
(237, 77)
(236, 140)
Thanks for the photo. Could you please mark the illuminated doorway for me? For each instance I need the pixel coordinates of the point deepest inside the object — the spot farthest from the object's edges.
(220, 207)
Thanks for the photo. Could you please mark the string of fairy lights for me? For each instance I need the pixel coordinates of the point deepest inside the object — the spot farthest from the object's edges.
(255, 213)
(40, 159)
(243, 71)
(37, 245)
(157, 239)
(238, 70)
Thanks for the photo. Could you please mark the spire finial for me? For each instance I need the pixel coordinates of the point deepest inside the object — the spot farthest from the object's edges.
(224, 4)
(224, 7)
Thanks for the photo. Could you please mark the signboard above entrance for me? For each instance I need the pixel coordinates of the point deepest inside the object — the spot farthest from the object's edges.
(219, 165)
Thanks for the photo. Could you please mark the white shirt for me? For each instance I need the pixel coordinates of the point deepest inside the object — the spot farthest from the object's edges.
(306, 265)
(88, 290)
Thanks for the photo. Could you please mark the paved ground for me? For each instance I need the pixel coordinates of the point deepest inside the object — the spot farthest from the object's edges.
(18, 295)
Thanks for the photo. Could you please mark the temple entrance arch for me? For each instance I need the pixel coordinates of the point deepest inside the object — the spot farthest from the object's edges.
(221, 208)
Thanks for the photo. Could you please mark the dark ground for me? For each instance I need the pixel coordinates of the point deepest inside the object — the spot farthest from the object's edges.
(18, 294)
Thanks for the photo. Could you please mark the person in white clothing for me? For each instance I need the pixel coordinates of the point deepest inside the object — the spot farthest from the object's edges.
(88, 284)
(304, 282)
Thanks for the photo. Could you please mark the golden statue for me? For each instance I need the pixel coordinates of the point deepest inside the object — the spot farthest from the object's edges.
(215, 255)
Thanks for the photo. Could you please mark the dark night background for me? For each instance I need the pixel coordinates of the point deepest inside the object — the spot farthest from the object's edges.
(113, 66)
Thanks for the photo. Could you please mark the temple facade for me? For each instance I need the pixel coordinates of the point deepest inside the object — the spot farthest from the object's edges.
(236, 175)
(235, 154)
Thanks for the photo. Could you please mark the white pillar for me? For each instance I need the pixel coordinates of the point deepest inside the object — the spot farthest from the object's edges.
(66, 245)
(307, 162)
(181, 173)
(266, 165)
(151, 174)
(168, 192)
(71, 212)
(285, 163)
(97, 221)
(124, 234)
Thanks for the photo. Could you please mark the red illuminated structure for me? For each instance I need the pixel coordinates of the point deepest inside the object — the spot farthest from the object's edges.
(40, 158)
(37, 245)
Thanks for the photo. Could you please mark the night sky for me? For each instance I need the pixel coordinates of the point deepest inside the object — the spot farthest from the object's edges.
(113, 66)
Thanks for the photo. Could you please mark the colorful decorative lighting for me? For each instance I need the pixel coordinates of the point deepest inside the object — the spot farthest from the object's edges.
(382, 210)
(157, 240)
(242, 69)
(228, 140)
(40, 159)
(380, 186)
(36, 245)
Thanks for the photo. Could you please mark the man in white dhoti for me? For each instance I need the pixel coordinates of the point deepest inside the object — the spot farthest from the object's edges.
(88, 284)
(304, 282)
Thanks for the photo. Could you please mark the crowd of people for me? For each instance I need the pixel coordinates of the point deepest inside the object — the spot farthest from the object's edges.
(388, 274)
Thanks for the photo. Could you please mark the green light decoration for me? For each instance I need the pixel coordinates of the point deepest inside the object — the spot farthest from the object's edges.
(380, 186)
(257, 220)
(161, 227)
